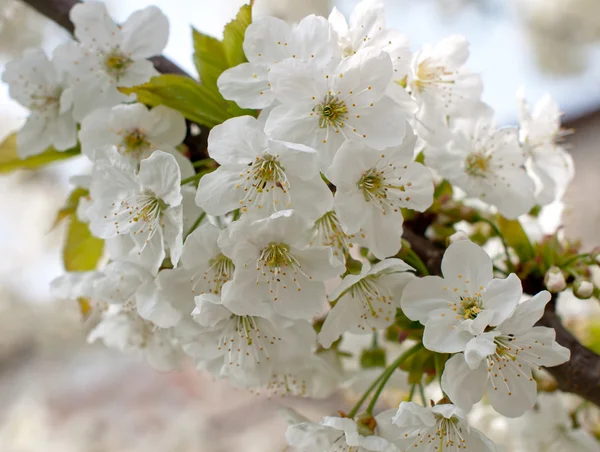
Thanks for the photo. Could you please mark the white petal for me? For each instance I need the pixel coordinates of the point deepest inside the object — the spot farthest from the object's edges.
(299, 84)
(152, 307)
(512, 391)
(526, 314)
(265, 40)
(314, 40)
(168, 126)
(319, 263)
(312, 198)
(479, 348)
(424, 295)
(381, 126)
(443, 333)
(340, 319)
(247, 84)
(217, 191)
(463, 385)
(384, 232)
(140, 72)
(93, 25)
(95, 133)
(363, 77)
(32, 138)
(145, 33)
(160, 174)
(237, 141)
(502, 296)
(465, 262)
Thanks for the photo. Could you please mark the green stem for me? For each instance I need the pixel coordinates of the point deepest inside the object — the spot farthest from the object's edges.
(575, 258)
(197, 222)
(203, 162)
(415, 261)
(193, 178)
(509, 264)
(412, 392)
(388, 372)
(358, 404)
(422, 392)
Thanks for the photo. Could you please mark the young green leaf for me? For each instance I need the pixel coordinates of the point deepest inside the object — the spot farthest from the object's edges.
(233, 36)
(516, 238)
(82, 250)
(10, 160)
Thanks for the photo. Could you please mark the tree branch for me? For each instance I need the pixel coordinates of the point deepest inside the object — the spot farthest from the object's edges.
(580, 375)
(58, 11)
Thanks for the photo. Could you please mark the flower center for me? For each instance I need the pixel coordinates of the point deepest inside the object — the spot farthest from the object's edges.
(135, 141)
(449, 434)
(332, 112)
(428, 73)
(279, 268)
(116, 63)
(328, 232)
(375, 298)
(263, 177)
(470, 307)
(44, 102)
(220, 271)
(375, 187)
(477, 164)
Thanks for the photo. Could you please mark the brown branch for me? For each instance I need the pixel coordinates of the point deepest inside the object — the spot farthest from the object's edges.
(580, 375)
(58, 11)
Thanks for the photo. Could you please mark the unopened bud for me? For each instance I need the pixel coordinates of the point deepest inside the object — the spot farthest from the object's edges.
(595, 254)
(457, 236)
(555, 280)
(583, 289)
(372, 357)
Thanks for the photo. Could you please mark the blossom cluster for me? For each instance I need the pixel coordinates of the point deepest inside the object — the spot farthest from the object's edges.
(257, 269)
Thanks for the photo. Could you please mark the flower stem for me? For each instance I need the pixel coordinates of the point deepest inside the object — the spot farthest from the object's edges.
(193, 178)
(509, 264)
(197, 222)
(422, 392)
(411, 394)
(573, 259)
(358, 404)
(388, 372)
(415, 261)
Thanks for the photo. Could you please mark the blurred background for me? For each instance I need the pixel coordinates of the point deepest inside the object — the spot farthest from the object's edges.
(58, 393)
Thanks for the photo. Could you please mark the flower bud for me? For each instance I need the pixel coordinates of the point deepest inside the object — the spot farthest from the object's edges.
(372, 357)
(583, 289)
(459, 235)
(555, 280)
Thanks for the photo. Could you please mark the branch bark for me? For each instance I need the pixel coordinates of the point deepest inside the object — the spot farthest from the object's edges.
(580, 375)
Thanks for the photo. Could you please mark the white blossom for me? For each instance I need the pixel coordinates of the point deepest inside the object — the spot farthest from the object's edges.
(108, 55)
(327, 231)
(366, 302)
(268, 41)
(366, 28)
(500, 362)
(371, 189)
(248, 349)
(146, 206)
(275, 264)
(464, 302)
(135, 131)
(124, 330)
(338, 434)
(261, 176)
(41, 86)
(487, 164)
(322, 108)
(549, 428)
(439, 428)
(442, 86)
(550, 164)
(203, 269)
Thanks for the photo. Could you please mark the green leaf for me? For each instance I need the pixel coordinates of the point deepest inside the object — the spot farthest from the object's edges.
(82, 250)
(194, 101)
(10, 160)
(516, 238)
(209, 58)
(70, 206)
(233, 36)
